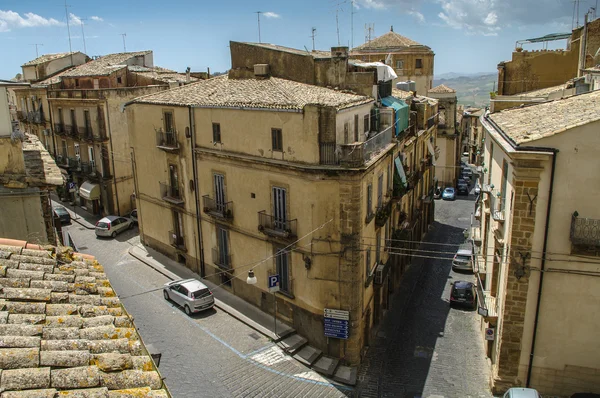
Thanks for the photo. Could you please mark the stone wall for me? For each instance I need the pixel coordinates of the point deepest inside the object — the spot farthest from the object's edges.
(512, 317)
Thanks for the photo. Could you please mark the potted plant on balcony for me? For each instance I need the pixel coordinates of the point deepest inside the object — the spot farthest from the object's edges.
(382, 215)
(399, 188)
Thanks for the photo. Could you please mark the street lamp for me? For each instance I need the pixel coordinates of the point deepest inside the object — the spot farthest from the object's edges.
(251, 280)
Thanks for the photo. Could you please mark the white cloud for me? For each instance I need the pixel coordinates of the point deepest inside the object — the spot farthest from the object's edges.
(487, 17)
(270, 14)
(377, 4)
(417, 15)
(10, 19)
(74, 19)
(96, 18)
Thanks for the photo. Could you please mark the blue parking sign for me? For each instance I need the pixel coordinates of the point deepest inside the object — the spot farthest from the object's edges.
(273, 283)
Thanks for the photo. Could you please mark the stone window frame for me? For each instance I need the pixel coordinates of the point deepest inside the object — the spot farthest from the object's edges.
(400, 64)
(277, 139)
(419, 63)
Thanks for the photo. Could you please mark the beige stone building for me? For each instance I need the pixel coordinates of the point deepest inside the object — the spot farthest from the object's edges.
(448, 139)
(78, 115)
(410, 60)
(27, 176)
(472, 135)
(539, 242)
(255, 172)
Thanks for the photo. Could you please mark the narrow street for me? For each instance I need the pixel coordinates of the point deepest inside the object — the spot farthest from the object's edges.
(210, 354)
(424, 348)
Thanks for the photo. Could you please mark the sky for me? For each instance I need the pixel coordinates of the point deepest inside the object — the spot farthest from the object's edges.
(467, 36)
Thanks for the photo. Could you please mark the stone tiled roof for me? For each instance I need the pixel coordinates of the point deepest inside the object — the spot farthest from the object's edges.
(47, 57)
(104, 65)
(162, 76)
(64, 332)
(595, 69)
(390, 40)
(537, 121)
(40, 168)
(272, 93)
(396, 92)
(442, 89)
(543, 92)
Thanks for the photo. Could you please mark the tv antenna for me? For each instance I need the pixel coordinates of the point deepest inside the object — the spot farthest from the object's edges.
(83, 34)
(69, 31)
(575, 19)
(369, 29)
(36, 48)
(124, 46)
(338, 8)
(313, 34)
(258, 18)
(352, 12)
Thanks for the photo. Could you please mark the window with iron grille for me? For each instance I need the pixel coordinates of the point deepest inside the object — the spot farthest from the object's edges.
(368, 262)
(216, 132)
(378, 246)
(277, 140)
(380, 190)
(355, 128)
(369, 199)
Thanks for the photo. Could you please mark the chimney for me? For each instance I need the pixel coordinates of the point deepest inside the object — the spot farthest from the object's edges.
(392, 28)
(187, 75)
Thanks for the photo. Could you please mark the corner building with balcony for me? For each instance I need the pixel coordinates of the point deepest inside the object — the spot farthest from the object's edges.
(538, 245)
(87, 128)
(280, 177)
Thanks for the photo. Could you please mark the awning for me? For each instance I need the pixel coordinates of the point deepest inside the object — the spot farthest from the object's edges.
(400, 170)
(89, 191)
(402, 112)
(431, 151)
(384, 72)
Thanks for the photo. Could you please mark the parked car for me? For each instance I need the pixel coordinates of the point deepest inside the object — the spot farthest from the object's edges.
(449, 194)
(112, 225)
(191, 294)
(518, 392)
(438, 193)
(463, 294)
(463, 259)
(462, 189)
(477, 189)
(62, 214)
(134, 216)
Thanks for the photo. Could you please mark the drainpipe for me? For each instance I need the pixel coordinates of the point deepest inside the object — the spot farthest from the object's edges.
(196, 199)
(543, 264)
(112, 158)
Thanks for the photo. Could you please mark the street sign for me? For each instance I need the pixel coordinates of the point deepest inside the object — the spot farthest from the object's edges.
(336, 323)
(273, 283)
(489, 333)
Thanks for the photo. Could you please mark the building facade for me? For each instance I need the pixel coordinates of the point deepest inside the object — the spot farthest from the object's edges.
(538, 245)
(448, 139)
(472, 134)
(78, 115)
(410, 60)
(280, 177)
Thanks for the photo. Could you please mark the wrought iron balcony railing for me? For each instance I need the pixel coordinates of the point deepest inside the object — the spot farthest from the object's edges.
(275, 226)
(585, 232)
(497, 209)
(220, 259)
(382, 214)
(176, 240)
(355, 154)
(167, 140)
(171, 194)
(59, 128)
(217, 209)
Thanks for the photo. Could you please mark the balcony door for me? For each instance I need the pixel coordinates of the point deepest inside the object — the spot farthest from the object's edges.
(279, 208)
(173, 181)
(223, 246)
(91, 157)
(219, 182)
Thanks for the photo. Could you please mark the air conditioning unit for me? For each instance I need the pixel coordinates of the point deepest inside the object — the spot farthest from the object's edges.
(379, 274)
(261, 70)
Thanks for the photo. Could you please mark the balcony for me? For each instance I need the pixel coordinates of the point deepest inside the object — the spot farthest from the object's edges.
(167, 141)
(276, 227)
(22, 116)
(59, 128)
(486, 188)
(73, 163)
(171, 194)
(221, 259)
(176, 240)
(487, 304)
(585, 232)
(382, 214)
(222, 211)
(497, 209)
(33, 117)
(62, 160)
(356, 154)
(71, 130)
(86, 134)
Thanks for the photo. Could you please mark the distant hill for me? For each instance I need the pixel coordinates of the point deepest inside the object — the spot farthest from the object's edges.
(471, 89)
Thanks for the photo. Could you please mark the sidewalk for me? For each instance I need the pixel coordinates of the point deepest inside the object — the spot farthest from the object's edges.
(78, 215)
(225, 301)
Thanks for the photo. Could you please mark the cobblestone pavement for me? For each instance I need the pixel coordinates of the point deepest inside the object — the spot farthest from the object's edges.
(209, 354)
(424, 348)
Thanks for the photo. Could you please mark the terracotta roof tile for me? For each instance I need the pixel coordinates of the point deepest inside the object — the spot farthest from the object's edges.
(104, 65)
(386, 41)
(537, 121)
(442, 89)
(47, 57)
(63, 332)
(272, 93)
(40, 168)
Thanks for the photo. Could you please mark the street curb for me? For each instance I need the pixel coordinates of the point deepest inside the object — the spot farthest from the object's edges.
(80, 223)
(218, 303)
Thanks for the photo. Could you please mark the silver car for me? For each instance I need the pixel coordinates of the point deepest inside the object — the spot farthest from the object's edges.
(463, 259)
(112, 226)
(191, 294)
